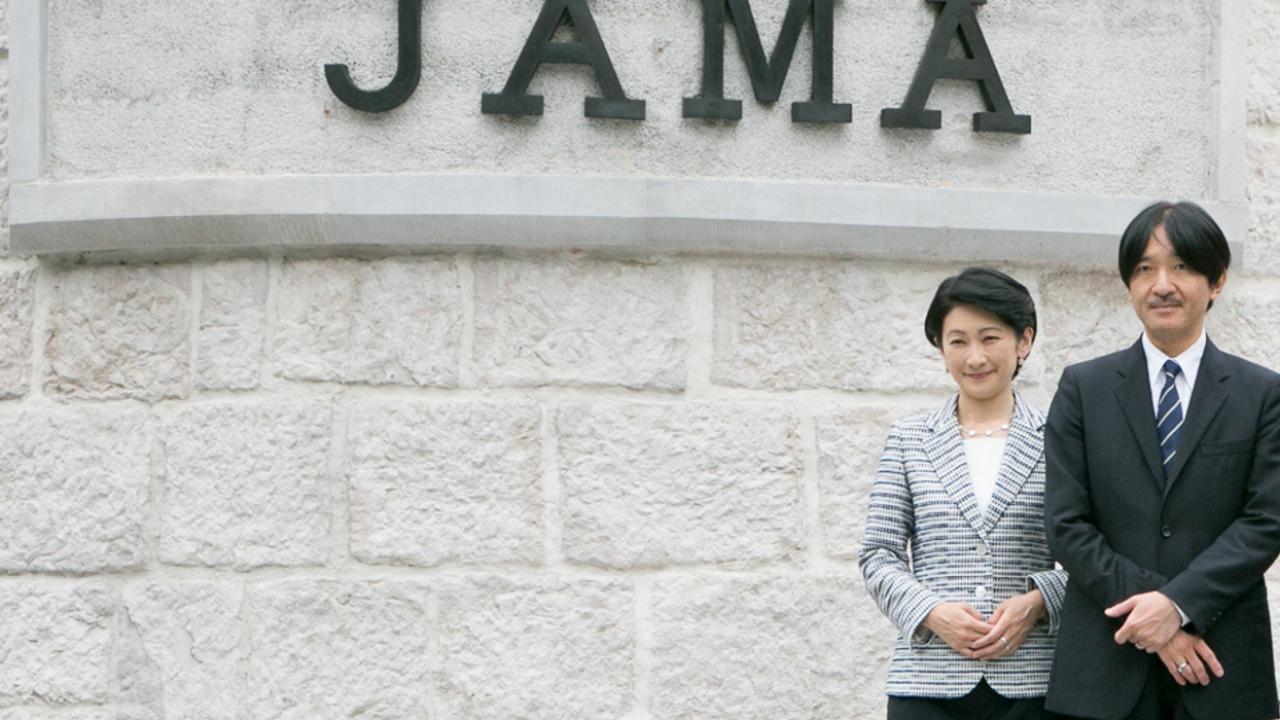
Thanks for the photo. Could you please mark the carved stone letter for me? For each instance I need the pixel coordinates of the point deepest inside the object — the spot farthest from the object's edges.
(538, 49)
(408, 68)
(767, 75)
(957, 17)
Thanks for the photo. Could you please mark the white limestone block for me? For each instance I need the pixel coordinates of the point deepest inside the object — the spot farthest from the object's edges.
(536, 648)
(73, 488)
(396, 321)
(787, 326)
(571, 322)
(1083, 316)
(246, 485)
(55, 643)
(17, 307)
(119, 332)
(179, 651)
(1243, 321)
(1263, 58)
(445, 482)
(233, 316)
(767, 648)
(329, 649)
(648, 485)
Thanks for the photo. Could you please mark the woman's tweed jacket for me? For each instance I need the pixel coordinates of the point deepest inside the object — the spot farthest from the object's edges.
(926, 544)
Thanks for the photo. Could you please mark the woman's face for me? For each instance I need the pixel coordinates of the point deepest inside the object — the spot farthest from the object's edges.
(981, 351)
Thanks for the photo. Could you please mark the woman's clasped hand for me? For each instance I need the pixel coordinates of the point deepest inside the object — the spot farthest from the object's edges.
(967, 632)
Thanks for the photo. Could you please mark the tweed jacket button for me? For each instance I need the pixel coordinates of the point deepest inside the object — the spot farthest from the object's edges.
(980, 592)
(980, 549)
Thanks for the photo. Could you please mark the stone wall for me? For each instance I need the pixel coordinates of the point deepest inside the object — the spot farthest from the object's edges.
(486, 486)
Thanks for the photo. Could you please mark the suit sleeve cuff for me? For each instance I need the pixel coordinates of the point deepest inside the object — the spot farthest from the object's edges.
(912, 625)
(1052, 585)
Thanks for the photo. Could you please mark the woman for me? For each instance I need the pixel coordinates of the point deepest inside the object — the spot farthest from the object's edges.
(954, 551)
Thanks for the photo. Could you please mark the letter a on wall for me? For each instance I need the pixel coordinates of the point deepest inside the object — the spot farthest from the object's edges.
(957, 18)
(514, 98)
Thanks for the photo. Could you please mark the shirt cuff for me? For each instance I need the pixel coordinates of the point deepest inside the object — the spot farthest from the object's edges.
(1185, 619)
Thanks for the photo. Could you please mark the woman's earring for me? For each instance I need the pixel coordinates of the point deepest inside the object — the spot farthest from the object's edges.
(1021, 360)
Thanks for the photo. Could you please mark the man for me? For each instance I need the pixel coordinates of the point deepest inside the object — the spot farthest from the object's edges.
(1163, 500)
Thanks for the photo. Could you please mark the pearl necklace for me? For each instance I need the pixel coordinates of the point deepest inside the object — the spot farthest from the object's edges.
(970, 432)
(973, 432)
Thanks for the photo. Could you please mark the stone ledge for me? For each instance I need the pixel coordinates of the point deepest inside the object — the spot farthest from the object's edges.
(621, 213)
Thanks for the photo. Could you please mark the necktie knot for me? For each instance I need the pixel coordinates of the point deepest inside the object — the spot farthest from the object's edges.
(1172, 368)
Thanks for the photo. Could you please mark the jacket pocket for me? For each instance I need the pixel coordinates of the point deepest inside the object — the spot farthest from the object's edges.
(1228, 447)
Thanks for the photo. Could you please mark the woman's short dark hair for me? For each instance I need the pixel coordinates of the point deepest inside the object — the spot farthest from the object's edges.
(1195, 238)
(987, 290)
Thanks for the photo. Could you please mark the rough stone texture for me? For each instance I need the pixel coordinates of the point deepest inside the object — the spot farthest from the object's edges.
(179, 651)
(1082, 316)
(652, 485)
(385, 322)
(335, 649)
(119, 331)
(786, 326)
(1243, 321)
(17, 306)
(73, 489)
(1262, 252)
(536, 649)
(43, 713)
(55, 643)
(1263, 59)
(767, 648)
(233, 317)
(850, 443)
(4, 129)
(246, 485)
(568, 322)
(432, 483)
(255, 99)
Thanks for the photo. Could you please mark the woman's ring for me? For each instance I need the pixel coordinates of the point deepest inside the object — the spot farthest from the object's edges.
(1182, 667)
(1004, 641)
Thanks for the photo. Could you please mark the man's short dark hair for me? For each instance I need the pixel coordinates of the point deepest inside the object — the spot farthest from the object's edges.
(987, 290)
(1195, 238)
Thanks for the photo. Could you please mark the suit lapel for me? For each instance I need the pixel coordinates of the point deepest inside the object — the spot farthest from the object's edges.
(945, 451)
(1021, 453)
(1207, 398)
(1134, 395)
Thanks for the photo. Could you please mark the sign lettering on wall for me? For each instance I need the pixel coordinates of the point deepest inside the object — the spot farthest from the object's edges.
(956, 20)
(588, 51)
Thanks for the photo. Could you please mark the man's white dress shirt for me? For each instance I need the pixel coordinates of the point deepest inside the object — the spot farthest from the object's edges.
(1184, 383)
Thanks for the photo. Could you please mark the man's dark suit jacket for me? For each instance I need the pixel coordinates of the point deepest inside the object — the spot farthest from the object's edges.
(1204, 536)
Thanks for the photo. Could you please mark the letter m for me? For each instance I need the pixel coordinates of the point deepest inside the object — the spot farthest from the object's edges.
(767, 74)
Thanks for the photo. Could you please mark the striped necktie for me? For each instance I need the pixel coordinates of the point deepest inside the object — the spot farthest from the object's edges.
(1169, 415)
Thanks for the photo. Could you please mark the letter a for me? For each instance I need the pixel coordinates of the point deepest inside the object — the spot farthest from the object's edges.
(957, 17)
(538, 49)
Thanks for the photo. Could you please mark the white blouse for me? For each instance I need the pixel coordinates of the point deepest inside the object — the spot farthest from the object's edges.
(983, 455)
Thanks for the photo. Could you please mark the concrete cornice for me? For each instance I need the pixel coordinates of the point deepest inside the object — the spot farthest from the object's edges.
(624, 213)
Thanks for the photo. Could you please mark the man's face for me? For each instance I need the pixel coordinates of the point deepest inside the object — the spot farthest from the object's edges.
(1169, 296)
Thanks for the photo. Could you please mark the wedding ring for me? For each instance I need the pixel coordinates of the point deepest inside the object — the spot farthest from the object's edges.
(1139, 646)
(1004, 640)
(1182, 667)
